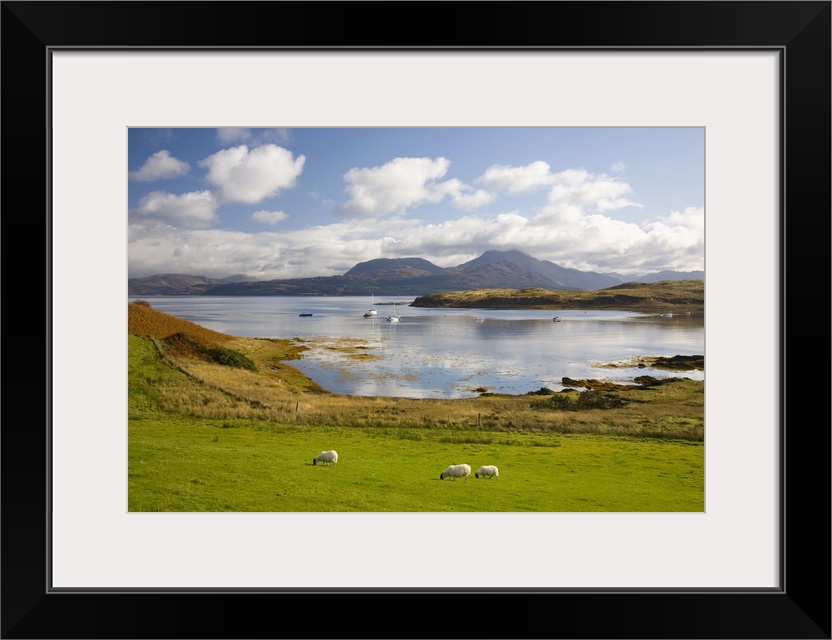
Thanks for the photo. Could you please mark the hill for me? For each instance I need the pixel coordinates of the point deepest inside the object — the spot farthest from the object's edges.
(679, 296)
(394, 268)
(400, 276)
(146, 322)
(177, 284)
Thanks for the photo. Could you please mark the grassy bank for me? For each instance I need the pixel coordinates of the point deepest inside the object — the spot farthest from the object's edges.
(219, 423)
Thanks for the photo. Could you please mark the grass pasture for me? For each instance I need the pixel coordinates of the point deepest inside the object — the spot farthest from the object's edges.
(228, 425)
(193, 465)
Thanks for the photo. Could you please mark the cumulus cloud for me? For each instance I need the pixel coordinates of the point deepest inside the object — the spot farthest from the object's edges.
(269, 217)
(158, 166)
(197, 209)
(574, 189)
(586, 192)
(463, 196)
(536, 175)
(243, 175)
(403, 183)
(692, 218)
(572, 192)
(618, 167)
(589, 242)
(573, 228)
(680, 235)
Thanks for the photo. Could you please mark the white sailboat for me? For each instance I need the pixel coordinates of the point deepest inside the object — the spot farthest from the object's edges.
(372, 311)
(394, 317)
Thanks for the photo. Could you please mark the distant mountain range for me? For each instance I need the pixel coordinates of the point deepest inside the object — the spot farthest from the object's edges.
(405, 276)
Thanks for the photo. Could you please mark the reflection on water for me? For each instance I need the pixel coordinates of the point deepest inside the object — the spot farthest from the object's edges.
(447, 353)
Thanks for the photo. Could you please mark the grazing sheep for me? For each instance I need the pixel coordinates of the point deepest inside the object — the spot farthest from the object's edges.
(487, 471)
(326, 456)
(456, 471)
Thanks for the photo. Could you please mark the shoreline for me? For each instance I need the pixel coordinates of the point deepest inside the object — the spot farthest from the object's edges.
(337, 357)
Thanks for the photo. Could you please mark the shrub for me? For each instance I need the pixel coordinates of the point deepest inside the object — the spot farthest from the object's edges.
(598, 400)
(141, 303)
(585, 401)
(561, 401)
(180, 344)
(230, 358)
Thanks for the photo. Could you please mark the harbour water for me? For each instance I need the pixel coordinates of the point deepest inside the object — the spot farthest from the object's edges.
(447, 353)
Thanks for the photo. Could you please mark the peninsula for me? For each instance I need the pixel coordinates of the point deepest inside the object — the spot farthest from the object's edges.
(678, 296)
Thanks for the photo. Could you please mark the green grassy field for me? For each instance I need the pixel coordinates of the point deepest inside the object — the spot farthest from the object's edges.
(193, 465)
(226, 425)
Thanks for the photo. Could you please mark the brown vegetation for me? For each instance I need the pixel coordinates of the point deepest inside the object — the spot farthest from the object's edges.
(146, 322)
(676, 296)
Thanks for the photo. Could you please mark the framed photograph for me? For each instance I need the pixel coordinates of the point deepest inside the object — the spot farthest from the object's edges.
(82, 78)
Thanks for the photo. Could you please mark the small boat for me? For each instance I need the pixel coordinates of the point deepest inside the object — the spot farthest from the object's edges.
(394, 317)
(479, 319)
(372, 311)
(304, 315)
(667, 315)
(556, 319)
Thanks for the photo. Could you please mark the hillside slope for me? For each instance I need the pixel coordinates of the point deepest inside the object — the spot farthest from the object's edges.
(144, 321)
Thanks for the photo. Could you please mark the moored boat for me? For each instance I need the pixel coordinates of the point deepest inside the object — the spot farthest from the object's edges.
(394, 317)
(372, 311)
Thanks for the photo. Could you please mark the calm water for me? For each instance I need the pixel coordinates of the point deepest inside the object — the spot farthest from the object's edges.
(447, 353)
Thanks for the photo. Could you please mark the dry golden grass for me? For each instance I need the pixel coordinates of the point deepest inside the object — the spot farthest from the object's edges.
(145, 322)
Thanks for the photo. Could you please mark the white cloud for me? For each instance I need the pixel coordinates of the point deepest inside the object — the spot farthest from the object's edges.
(577, 188)
(680, 235)
(536, 175)
(589, 242)
(243, 175)
(269, 217)
(463, 196)
(160, 165)
(403, 183)
(618, 167)
(571, 188)
(692, 219)
(197, 209)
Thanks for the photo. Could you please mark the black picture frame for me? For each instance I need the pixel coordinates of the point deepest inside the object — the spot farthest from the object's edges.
(799, 31)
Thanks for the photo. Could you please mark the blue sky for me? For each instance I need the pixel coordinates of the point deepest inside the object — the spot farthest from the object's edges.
(287, 203)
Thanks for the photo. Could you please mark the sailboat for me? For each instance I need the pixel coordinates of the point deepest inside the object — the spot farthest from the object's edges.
(394, 317)
(372, 311)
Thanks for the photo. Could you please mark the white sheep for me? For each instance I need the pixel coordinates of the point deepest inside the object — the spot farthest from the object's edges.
(326, 456)
(456, 471)
(487, 471)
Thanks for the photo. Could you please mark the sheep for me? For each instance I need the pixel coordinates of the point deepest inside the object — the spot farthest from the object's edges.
(487, 471)
(326, 456)
(456, 471)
